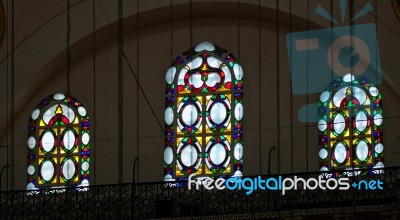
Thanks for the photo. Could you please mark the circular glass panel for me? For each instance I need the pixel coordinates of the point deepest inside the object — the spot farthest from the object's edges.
(69, 140)
(238, 71)
(379, 148)
(82, 111)
(68, 169)
(378, 119)
(361, 121)
(217, 154)
(218, 113)
(189, 155)
(35, 114)
(324, 96)
(59, 96)
(238, 152)
(339, 123)
(168, 155)
(31, 170)
(47, 170)
(85, 138)
(323, 153)
(374, 91)
(48, 141)
(170, 75)
(239, 111)
(169, 115)
(362, 150)
(85, 166)
(340, 153)
(348, 77)
(189, 114)
(322, 125)
(31, 142)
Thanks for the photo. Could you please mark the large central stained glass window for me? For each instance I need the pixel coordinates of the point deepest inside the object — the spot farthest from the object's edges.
(204, 114)
(350, 125)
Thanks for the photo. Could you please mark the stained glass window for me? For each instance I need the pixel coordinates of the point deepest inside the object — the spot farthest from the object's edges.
(204, 114)
(58, 143)
(350, 125)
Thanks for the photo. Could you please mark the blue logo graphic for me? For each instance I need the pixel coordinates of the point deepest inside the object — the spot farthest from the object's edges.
(318, 57)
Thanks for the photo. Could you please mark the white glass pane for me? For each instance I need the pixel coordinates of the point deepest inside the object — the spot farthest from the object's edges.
(47, 170)
(169, 115)
(189, 114)
(339, 96)
(168, 177)
(218, 113)
(204, 46)
(85, 138)
(69, 113)
(196, 63)
(362, 150)
(31, 170)
(238, 152)
(378, 119)
(228, 74)
(49, 114)
(189, 155)
(48, 141)
(359, 94)
(31, 142)
(85, 183)
(239, 111)
(213, 62)
(181, 77)
(340, 153)
(68, 169)
(323, 153)
(59, 96)
(69, 140)
(339, 124)
(324, 96)
(35, 114)
(85, 166)
(82, 111)
(168, 155)
(379, 148)
(237, 69)
(348, 77)
(195, 80)
(170, 75)
(30, 186)
(379, 165)
(322, 125)
(361, 121)
(213, 78)
(374, 91)
(323, 169)
(217, 154)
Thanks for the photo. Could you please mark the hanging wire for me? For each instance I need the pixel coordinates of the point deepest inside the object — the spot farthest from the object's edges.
(291, 93)
(238, 27)
(8, 99)
(12, 93)
(259, 84)
(191, 23)
(120, 89)
(307, 96)
(68, 46)
(278, 134)
(94, 83)
(139, 87)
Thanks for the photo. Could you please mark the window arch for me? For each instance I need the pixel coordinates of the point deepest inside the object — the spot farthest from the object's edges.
(204, 114)
(350, 125)
(58, 143)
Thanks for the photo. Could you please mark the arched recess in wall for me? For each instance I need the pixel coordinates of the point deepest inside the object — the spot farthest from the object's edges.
(350, 125)
(58, 143)
(204, 114)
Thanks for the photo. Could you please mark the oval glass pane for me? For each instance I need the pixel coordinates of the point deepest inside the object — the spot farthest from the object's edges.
(169, 116)
(348, 77)
(339, 124)
(31, 142)
(323, 153)
(59, 96)
(213, 79)
(195, 80)
(85, 138)
(218, 113)
(69, 140)
(239, 111)
(189, 155)
(68, 169)
(379, 148)
(196, 63)
(204, 46)
(238, 152)
(378, 119)
(217, 154)
(373, 91)
(47, 171)
(361, 121)
(168, 155)
(213, 62)
(324, 96)
(189, 114)
(31, 170)
(85, 166)
(322, 125)
(238, 71)
(48, 141)
(35, 114)
(360, 95)
(362, 150)
(340, 153)
(228, 77)
(170, 75)
(82, 111)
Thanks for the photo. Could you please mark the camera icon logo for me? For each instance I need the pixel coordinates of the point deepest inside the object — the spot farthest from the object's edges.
(317, 57)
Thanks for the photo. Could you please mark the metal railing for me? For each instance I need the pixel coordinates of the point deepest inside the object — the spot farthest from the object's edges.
(173, 199)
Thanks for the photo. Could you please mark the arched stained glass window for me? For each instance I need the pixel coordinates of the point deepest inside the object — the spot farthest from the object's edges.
(350, 125)
(58, 143)
(204, 114)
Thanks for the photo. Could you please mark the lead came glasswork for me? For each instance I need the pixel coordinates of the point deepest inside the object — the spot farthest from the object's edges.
(58, 144)
(204, 114)
(352, 108)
